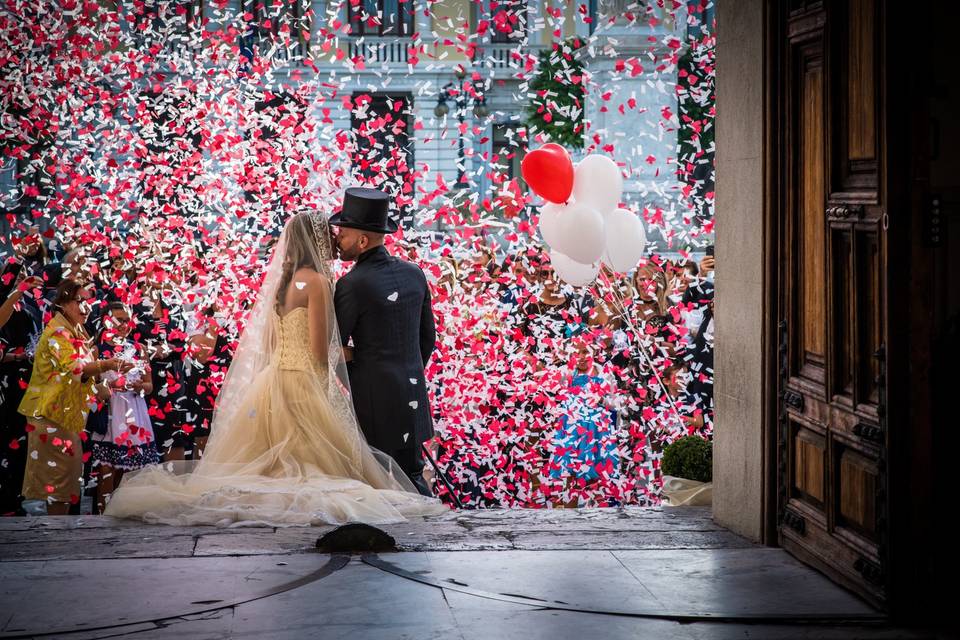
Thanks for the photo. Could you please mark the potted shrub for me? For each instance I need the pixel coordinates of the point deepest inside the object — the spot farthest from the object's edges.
(688, 472)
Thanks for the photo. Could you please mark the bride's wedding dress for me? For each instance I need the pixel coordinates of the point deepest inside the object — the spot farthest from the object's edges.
(285, 451)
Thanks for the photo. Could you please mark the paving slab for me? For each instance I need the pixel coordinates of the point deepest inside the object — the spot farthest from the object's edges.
(492, 575)
(739, 581)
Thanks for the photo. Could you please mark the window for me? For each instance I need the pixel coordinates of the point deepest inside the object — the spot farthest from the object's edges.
(601, 11)
(703, 14)
(508, 20)
(8, 179)
(381, 17)
(506, 148)
(172, 140)
(382, 125)
(269, 17)
(505, 157)
(195, 9)
(166, 19)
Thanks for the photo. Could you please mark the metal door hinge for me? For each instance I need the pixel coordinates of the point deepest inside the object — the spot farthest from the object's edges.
(871, 571)
(793, 400)
(869, 432)
(795, 521)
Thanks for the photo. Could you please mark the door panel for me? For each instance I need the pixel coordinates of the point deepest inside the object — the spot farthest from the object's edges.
(853, 27)
(870, 319)
(842, 301)
(857, 506)
(810, 224)
(861, 88)
(808, 469)
(833, 434)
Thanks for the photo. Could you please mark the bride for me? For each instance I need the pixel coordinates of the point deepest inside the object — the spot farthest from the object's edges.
(285, 448)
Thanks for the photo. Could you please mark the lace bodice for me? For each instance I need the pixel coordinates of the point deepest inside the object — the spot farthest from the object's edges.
(294, 343)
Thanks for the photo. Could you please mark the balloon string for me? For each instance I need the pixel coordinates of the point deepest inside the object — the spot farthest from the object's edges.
(641, 347)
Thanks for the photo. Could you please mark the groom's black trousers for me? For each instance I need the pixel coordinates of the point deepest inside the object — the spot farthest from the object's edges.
(409, 460)
(411, 463)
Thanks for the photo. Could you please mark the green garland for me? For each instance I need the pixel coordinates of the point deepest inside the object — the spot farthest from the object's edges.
(695, 102)
(557, 103)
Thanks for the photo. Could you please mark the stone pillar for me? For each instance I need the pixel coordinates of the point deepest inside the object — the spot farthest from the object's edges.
(738, 368)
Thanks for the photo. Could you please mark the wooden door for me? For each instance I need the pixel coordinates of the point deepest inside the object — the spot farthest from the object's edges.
(832, 431)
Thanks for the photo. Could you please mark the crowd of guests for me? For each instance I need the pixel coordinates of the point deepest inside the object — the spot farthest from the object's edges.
(543, 394)
(102, 371)
(549, 395)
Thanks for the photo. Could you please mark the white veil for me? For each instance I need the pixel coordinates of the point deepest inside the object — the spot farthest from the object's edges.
(257, 349)
(259, 341)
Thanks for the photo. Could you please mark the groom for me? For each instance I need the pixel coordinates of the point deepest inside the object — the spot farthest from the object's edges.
(383, 304)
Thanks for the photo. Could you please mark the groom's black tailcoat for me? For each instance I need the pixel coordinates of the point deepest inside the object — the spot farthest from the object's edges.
(383, 304)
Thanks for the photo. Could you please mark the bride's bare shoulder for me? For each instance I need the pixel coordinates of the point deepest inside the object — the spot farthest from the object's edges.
(311, 278)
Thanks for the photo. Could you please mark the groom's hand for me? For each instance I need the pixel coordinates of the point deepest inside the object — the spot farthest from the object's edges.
(429, 478)
(348, 354)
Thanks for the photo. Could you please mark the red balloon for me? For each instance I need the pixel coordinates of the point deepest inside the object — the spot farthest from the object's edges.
(549, 172)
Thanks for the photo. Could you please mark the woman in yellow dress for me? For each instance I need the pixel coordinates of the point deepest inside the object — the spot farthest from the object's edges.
(58, 399)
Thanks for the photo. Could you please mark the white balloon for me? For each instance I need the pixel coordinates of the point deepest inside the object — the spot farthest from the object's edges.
(550, 222)
(597, 182)
(571, 271)
(626, 240)
(580, 233)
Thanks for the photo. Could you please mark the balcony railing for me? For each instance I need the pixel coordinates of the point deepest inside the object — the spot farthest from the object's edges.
(393, 51)
(504, 55)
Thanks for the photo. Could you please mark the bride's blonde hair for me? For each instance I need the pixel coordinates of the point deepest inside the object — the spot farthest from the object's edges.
(308, 246)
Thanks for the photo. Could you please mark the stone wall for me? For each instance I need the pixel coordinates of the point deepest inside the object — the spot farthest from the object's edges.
(738, 432)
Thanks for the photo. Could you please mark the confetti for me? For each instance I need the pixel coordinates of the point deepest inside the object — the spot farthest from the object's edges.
(164, 148)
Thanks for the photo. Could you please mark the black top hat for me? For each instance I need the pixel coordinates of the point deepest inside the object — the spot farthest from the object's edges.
(365, 209)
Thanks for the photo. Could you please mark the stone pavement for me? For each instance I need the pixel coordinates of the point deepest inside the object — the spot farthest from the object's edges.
(552, 574)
